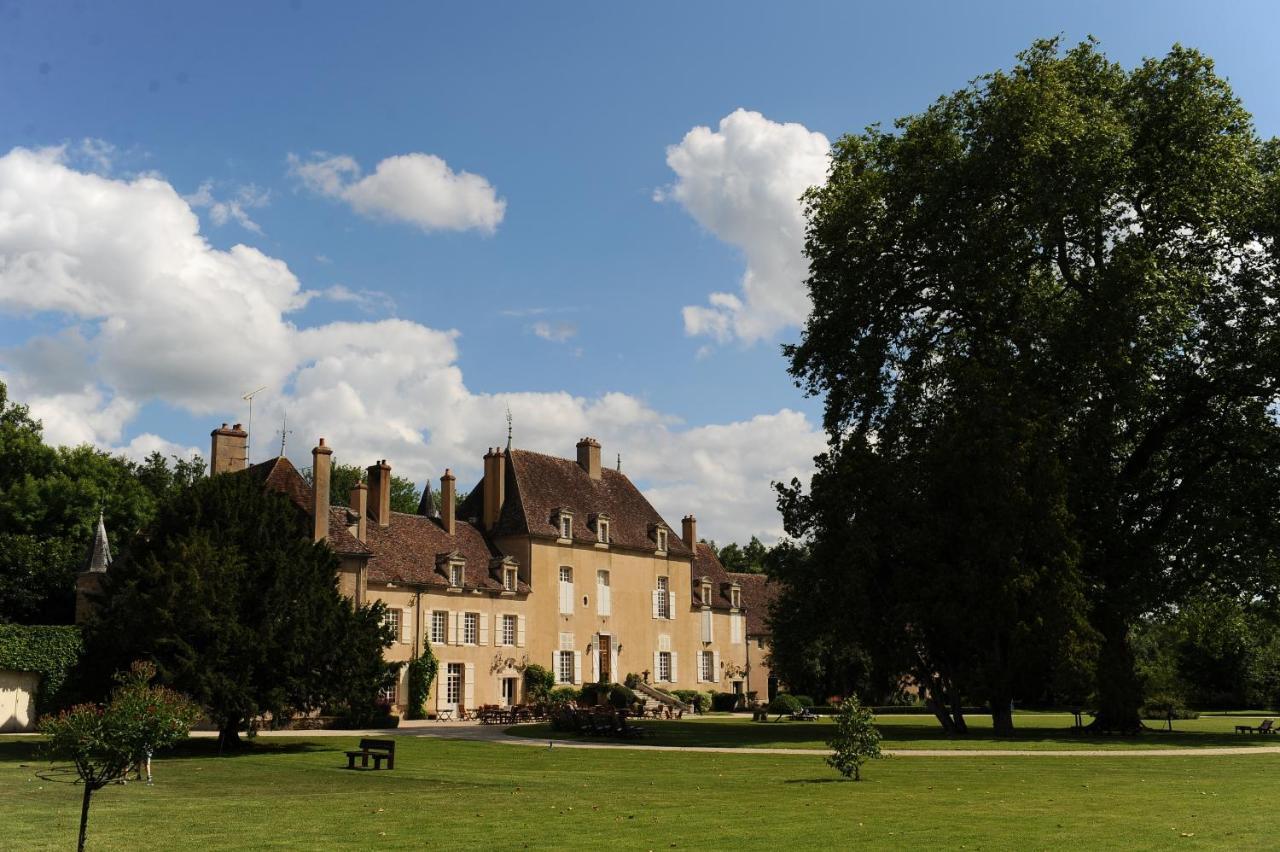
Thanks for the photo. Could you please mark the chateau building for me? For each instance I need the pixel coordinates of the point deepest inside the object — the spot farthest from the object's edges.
(548, 560)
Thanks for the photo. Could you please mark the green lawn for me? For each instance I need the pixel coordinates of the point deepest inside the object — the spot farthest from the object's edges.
(295, 794)
(1047, 731)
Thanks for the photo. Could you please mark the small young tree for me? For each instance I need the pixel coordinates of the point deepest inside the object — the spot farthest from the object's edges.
(855, 741)
(422, 673)
(105, 741)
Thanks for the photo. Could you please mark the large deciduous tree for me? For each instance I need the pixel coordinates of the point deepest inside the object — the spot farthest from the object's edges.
(1044, 329)
(239, 609)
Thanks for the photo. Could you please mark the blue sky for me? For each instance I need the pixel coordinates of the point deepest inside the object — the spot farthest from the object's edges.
(582, 225)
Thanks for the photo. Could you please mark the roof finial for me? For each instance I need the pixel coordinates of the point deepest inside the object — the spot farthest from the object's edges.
(508, 427)
(619, 462)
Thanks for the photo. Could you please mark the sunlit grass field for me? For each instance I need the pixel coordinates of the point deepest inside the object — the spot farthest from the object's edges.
(1041, 731)
(296, 794)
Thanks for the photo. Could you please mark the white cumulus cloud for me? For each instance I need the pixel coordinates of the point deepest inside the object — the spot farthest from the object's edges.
(419, 189)
(743, 182)
(134, 305)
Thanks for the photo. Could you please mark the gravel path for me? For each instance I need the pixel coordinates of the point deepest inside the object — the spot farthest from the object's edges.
(496, 734)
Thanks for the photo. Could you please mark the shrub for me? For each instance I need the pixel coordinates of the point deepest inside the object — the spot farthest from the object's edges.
(699, 701)
(1163, 705)
(538, 681)
(724, 701)
(564, 695)
(564, 717)
(49, 651)
(855, 740)
(621, 697)
(805, 701)
(784, 704)
(422, 673)
(591, 693)
(632, 680)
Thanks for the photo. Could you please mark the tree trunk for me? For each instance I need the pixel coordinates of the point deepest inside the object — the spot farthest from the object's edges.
(1119, 690)
(84, 815)
(1002, 716)
(940, 712)
(229, 735)
(957, 716)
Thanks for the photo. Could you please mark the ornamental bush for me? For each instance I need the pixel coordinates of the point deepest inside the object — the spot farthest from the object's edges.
(422, 673)
(621, 697)
(783, 704)
(564, 695)
(855, 741)
(538, 681)
(805, 701)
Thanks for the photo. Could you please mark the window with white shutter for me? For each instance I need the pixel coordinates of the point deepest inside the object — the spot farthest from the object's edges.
(706, 669)
(470, 628)
(392, 618)
(439, 627)
(566, 590)
(663, 674)
(604, 601)
(735, 628)
(519, 631)
(564, 666)
(707, 629)
(509, 630)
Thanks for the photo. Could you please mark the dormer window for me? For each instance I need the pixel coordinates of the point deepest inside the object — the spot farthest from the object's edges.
(602, 531)
(564, 520)
(509, 579)
(735, 597)
(706, 592)
(662, 540)
(455, 574)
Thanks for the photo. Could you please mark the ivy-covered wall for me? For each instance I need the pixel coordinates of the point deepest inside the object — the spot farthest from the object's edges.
(49, 650)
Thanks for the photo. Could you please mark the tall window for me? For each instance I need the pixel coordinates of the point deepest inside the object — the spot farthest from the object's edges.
(509, 579)
(706, 594)
(664, 666)
(392, 620)
(707, 634)
(453, 683)
(707, 666)
(566, 526)
(664, 598)
(735, 627)
(735, 598)
(470, 628)
(564, 666)
(604, 601)
(439, 627)
(602, 531)
(662, 541)
(455, 574)
(566, 590)
(508, 630)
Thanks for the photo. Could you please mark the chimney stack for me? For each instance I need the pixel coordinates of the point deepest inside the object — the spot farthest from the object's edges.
(690, 524)
(320, 468)
(589, 457)
(495, 486)
(380, 492)
(359, 504)
(447, 499)
(230, 450)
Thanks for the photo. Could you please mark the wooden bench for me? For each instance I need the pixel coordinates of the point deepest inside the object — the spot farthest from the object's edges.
(379, 750)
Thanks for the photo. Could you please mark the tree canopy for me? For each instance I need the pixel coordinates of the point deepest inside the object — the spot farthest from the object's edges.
(405, 496)
(1043, 329)
(238, 608)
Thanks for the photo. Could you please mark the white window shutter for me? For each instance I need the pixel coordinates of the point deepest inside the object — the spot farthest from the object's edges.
(715, 667)
(520, 630)
(469, 686)
(595, 658)
(406, 626)
(671, 607)
(577, 667)
(438, 686)
(613, 661)
(484, 629)
(699, 667)
(456, 618)
(674, 676)
(656, 656)
(497, 629)
(654, 593)
(555, 665)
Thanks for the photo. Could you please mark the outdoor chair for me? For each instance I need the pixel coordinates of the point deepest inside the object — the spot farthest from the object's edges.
(1267, 727)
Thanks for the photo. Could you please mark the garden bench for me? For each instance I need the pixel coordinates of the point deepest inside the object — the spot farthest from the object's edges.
(1267, 727)
(379, 750)
(804, 716)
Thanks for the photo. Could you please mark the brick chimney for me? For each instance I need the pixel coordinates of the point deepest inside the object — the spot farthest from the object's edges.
(690, 525)
(320, 468)
(380, 492)
(230, 450)
(359, 504)
(448, 498)
(589, 457)
(495, 486)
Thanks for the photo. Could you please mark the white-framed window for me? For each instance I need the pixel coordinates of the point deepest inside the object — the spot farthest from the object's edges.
(509, 579)
(566, 526)
(604, 598)
(706, 666)
(706, 593)
(455, 574)
(439, 627)
(708, 629)
(566, 590)
(508, 630)
(392, 619)
(387, 695)
(453, 683)
(564, 667)
(663, 674)
(735, 627)
(662, 541)
(602, 531)
(470, 628)
(735, 597)
(664, 598)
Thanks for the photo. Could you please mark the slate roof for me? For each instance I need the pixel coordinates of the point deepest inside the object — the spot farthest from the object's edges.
(409, 548)
(537, 485)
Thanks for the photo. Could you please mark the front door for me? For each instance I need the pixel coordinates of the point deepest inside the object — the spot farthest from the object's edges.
(508, 691)
(606, 654)
(452, 686)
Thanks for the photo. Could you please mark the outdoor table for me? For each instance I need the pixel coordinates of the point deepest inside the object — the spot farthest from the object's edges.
(444, 716)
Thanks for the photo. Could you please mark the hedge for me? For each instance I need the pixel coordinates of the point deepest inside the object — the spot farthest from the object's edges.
(48, 650)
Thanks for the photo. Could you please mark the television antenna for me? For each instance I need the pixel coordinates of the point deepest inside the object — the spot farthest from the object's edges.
(285, 432)
(248, 444)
